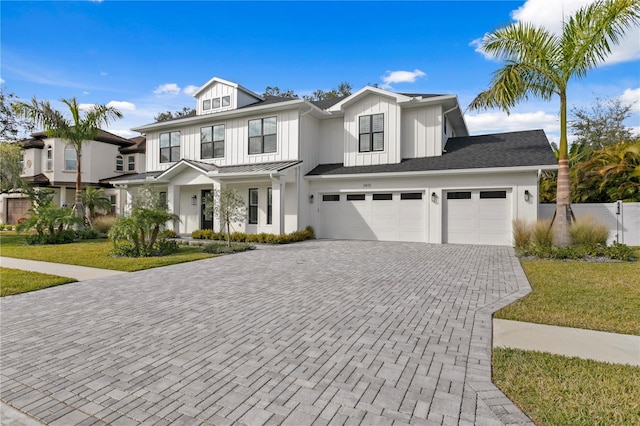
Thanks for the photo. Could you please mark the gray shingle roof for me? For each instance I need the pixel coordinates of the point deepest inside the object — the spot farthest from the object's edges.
(527, 148)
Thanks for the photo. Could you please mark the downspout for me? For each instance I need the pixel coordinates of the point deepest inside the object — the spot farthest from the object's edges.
(298, 174)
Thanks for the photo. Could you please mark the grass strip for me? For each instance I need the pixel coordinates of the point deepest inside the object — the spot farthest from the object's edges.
(15, 281)
(92, 253)
(595, 296)
(556, 390)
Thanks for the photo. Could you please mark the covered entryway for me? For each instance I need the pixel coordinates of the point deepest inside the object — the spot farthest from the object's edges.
(16, 209)
(477, 217)
(383, 216)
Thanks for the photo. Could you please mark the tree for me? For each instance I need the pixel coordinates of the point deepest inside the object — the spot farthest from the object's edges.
(275, 91)
(229, 205)
(83, 126)
(10, 167)
(95, 198)
(168, 115)
(343, 89)
(12, 127)
(540, 64)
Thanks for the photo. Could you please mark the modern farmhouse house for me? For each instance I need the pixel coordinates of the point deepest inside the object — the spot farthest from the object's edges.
(51, 163)
(375, 165)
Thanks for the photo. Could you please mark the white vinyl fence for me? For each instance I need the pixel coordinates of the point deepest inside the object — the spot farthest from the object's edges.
(623, 219)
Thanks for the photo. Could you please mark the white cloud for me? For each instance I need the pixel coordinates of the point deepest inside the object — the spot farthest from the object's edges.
(122, 105)
(86, 107)
(631, 97)
(84, 92)
(551, 14)
(499, 122)
(167, 88)
(401, 77)
(125, 133)
(190, 89)
(2, 80)
(103, 73)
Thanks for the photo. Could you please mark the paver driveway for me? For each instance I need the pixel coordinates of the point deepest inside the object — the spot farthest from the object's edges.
(321, 332)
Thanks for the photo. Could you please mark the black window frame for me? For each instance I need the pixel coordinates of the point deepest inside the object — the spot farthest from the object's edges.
(492, 195)
(170, 148)
(262, 135)
(252, 218)
(213, 144)
(370, 133)
(269, 206)
(382, 196)
(459, 195)
(356, 197)
(411, 195)
(331, 197)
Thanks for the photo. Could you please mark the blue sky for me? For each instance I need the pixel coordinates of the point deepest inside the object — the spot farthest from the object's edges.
(147, 57)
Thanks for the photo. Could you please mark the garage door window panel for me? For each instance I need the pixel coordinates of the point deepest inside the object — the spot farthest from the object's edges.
(355, 197)
(461, 195)
(411, 196)
(382, 197)
(493, 194)
(331, 197)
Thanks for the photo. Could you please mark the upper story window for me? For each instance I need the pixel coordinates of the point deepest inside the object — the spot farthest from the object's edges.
(262, 135)
(216, 103)
(371, 133)
(226, 101)
(212, 141)
(131, 163)
(49, 165)
(70, 159)
(206, 104)
(119, 163)
(169, 147)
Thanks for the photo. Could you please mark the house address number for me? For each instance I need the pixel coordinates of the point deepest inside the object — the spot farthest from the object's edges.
(366, 185)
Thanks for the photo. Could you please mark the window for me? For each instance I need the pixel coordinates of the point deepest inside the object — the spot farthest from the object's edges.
(70, 159)
(493, 194)
(411, 196)
(212, 141)
(216, 103)
(119, 163)
(355, 197)
(459, 195)
(226, 101)
(269, 207)
(445, 125)
(382, 197)
(371, 133)
(253, 206)
(112, 200)
(22, 162)
(331, 197)
(131, 163)
(262, 135)
(169, 147)
(49, 165)
(206, 104)
(163, 199)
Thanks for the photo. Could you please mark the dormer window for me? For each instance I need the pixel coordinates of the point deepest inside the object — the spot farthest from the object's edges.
(371, 133)
(226, 101)
(206, 104)
(216, 103)
(119, 163)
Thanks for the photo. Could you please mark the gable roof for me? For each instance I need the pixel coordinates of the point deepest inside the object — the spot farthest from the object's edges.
(515, 149)
(139, 145)
(37, 139)
(226, 83)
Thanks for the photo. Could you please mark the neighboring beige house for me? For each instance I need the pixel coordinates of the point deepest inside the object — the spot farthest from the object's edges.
(51, 163)
(375, 165)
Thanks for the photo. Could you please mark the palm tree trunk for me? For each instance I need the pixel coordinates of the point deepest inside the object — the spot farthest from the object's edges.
(563, 197)
(78, 202)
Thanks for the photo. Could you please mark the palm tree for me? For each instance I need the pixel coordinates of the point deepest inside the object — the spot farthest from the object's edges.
(82, 127)
(540, 64)
(95, 198)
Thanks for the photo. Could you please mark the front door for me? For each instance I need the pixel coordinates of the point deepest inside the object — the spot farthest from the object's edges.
(206, 221)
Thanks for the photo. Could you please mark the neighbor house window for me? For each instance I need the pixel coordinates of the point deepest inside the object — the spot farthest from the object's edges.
(131, 163)
(70, 159)
(119, 163)
(163, 198)
(226, 101)
(262, 135)
(371, 133)
(269, 207)
(206, 104)
(112, 200)
(253, 206)
(212, 142)
(49, 158)
(169, 147)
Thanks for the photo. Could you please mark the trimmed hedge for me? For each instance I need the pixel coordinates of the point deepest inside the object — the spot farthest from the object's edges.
(577, 252)
(262, 238)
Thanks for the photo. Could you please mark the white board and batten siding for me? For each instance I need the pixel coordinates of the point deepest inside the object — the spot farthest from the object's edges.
(422, 132)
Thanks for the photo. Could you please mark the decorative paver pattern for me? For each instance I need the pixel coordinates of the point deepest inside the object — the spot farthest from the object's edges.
(315, 333)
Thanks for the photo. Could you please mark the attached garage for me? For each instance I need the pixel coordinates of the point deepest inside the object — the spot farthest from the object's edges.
(383, 216)
(477, 217)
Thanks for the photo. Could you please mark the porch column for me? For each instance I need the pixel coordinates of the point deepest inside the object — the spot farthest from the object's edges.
(63, 196)
(277, 204)
(173, 202)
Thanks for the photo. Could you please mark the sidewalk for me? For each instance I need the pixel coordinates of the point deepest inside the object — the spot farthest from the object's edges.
(588, 344)
(80, 273)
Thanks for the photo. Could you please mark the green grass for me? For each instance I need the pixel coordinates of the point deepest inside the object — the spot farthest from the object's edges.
(596, 296)
(15, 281)
(93, 253)
(556, 390)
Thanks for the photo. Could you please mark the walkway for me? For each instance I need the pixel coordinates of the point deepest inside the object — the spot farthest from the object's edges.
(80, 273)
(321, 332)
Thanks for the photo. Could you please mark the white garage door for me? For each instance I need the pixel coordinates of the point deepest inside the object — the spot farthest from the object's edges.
(477, 217)
(384, 216)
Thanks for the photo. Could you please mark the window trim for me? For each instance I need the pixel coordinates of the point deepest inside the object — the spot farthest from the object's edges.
(170, 147)
(262, 135)
(371, 133)
(253, 208)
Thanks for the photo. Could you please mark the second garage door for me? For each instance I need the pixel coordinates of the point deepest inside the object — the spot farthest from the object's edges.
(477, 217)
(384, 216)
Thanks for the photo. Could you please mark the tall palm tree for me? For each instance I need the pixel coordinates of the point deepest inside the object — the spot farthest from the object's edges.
(82, 127)
(539, 63)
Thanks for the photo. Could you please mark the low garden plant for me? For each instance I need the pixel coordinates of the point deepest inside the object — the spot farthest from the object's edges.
(261, 238)
(224, 248)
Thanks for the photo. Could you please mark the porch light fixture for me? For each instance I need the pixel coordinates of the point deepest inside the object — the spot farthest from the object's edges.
(311, 198)
(527, 195)
(434, 197)
(194, 200)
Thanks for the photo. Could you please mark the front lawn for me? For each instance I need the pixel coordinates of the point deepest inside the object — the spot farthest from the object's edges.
(595, 296)
(556, 390)
(15, 281)
(92, 253)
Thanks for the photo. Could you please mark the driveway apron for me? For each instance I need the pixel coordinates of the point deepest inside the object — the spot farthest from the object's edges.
(320, 332)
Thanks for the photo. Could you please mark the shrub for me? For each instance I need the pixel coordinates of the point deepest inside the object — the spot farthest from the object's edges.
(542, 233)
(86, 234)
(103, 224)
(262, 238)
(223, 248)
(63, 237)
(619, 252)
(165, 247)
(521, 233)
(589, 231)
(168, 233)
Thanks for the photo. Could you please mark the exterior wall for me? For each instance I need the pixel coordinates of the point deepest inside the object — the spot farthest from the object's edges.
(372, 104)
(32, 164)
(331, 145)
(517, 182)
(422, 132)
